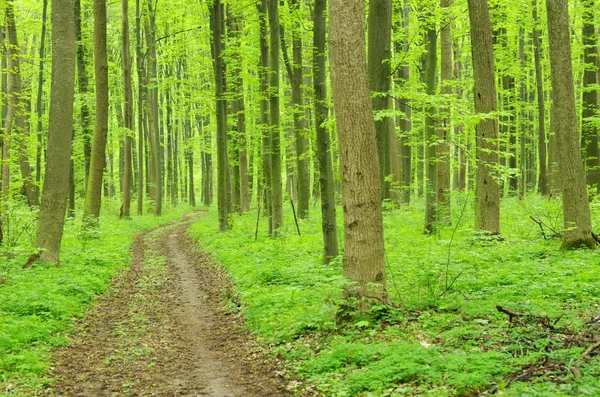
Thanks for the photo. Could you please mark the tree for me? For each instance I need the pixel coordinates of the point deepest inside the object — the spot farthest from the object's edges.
(379, 55)
(58, 159)
(274, 122)
(589, 130)
(430, 134)
(328, 217)
(93, 196)
(443, 146)
(364, 254)
(539, 84)
(576, 211)
(487, 216)
(16, 123)
(128, 109)
(217, 19)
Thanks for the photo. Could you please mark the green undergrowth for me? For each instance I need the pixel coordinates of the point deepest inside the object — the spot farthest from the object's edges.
(39, 305)
(443, 335)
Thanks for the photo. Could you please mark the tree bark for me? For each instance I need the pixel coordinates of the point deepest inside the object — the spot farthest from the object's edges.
(576, 210)
(431, 174)
(128, 110)
(405, 120)
(274, 113)
(488, 192)
(379, 55)
(16, 124)
(93, 197)
(217, 18)
(140, 111)
(589, 131)
(541, 108)
(323, 144)
(443, 146)
(82, 88)
(364, 254)
(39, 102)
(62, 94)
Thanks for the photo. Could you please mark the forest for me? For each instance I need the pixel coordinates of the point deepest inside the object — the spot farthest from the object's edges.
(299, 198)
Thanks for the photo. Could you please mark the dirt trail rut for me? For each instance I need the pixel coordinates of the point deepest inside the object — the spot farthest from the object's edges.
(163, 331)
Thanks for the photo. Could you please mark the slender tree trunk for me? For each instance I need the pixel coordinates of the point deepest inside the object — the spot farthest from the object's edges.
(488, 192)
(153, 122)
(576, 210)
(140, 107)
(300, 121)
(128, 110)
(39, 102)
(5, 138)
(522, 117)
(16, 118)
(264, 111)
(589, 130)
(539, 83)
(274, 113)
(327, 189)
(221, 105)
(443, 146)
(93, 197)
(405, 121)
(82, 88)
(431, 175)
(379, 55)
(364, 255)
(62, 94)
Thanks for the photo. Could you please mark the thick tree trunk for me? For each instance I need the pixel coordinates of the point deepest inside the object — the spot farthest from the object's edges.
(589, 133)
(364, 254)
(539, 83)
(576, 210)
(62, 93)
(323, 149)
(487, 215)
(128, 110)
(379, 55)
(93, 197)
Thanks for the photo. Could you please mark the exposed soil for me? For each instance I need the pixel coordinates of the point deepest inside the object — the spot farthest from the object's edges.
(164, 331)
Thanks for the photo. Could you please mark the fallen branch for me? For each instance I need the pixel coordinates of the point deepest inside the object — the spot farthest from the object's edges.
(590, 349)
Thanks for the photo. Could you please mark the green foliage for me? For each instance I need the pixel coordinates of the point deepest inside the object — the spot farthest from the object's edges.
(39, 305)
(443, 334)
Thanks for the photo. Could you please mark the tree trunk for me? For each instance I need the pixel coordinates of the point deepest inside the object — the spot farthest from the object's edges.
(62, 93)
(589, 130)
(217, 18)
(405, 121)
(153, 122)
(323, 149)
(522, 118)
(576, 210)
(488, 192)
(82, 88)
(443, 146)
(364, 254)
(39, 102)
(431, 175)
(276, 185)
(128, 110)
(16, 124)
(140, 111)
(539, 83)
(379, 55)
(93, 197)
(4, 137)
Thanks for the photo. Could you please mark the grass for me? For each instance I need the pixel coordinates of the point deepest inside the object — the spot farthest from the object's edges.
(39, 305)
(443, 336)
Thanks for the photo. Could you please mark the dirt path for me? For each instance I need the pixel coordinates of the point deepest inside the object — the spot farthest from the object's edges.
(163, 331)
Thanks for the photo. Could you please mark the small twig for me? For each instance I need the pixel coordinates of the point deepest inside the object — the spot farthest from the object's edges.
(590, 349)
(511, 314)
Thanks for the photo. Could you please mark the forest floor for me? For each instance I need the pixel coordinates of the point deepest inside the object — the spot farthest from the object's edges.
(164, 330)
